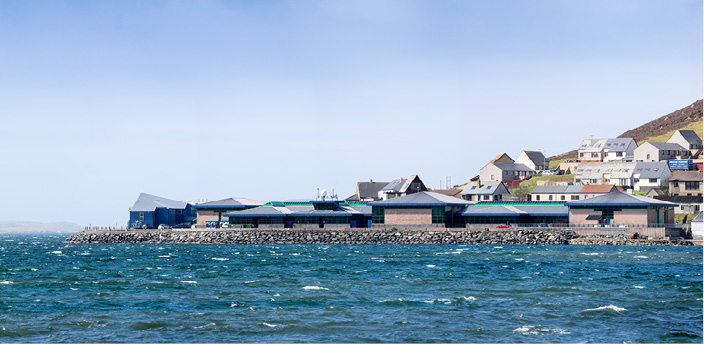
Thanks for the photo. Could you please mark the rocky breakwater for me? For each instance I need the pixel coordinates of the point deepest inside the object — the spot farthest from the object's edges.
(327, 236)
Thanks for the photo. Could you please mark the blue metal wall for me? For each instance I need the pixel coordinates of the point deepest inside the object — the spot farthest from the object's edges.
(148, 219)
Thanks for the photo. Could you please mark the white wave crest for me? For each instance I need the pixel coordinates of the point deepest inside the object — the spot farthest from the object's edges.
(7, 282)
(470, 298)
(641, 257)
(611, 307)
(430, 266)
(269, 325)
(590, 254)
(638, 287)
(519, 259)
(56, 252)
(190, 282)
(314, 287)
(220, 259)
(206, 325)
(526, 330)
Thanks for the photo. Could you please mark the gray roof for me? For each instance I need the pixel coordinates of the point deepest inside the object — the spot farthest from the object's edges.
(514, 210)
(651, 169)
(395, 185)
(666, 146)
(686, 176)
(698, 218)
(370, 189)
(408, 182)
(423, 198)
(536, 157)
(617, 145)
(513, 167)
(485, 189)
(557, 189)
(619, 198)
(691, 136)
(230, 203)
(147, 202)
(262, 211)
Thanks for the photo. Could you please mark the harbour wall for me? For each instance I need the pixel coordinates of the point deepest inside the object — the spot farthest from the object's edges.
(361, 236)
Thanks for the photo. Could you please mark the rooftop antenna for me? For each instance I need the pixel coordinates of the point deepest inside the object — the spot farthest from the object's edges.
(448, 182)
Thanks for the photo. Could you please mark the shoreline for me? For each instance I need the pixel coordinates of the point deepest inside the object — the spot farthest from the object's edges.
(405, 236)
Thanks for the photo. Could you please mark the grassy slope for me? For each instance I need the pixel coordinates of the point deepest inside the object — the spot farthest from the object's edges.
(696, 126)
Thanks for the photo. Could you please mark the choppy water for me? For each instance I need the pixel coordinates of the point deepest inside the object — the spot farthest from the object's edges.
(51, 291)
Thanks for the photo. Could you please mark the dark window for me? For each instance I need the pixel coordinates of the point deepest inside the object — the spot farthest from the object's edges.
(537, 197)
(575, 197)
(653, 180)
(141, 216)
(562, 197)
(691, 185)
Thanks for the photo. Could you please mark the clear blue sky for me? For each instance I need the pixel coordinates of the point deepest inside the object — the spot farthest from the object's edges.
(269, 100)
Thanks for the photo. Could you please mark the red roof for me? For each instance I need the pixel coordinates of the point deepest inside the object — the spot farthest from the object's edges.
(597, 188)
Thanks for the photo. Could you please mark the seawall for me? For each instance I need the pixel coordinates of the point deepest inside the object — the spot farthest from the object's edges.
(357, 236)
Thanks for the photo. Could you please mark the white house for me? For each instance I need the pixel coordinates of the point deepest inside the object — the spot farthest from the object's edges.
(687, 139)
(484, 191)
(533, 159)
(619, 149)
(660, 151)
(650, 175)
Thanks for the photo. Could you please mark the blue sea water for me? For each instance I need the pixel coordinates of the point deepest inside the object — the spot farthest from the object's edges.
(56, 292)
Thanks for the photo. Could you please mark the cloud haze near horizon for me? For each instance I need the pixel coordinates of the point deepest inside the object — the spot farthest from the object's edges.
(270, 100)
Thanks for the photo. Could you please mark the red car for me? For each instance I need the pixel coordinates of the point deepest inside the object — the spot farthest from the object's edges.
(503, 226)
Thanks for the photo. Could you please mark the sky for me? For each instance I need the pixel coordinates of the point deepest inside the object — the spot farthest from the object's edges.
(270, 100)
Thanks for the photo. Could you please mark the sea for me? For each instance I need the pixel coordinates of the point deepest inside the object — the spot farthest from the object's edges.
(51, 291)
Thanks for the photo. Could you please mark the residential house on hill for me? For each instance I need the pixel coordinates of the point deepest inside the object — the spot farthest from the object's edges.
(367, 191)
(402, 187)
(558, 193)
(617, 173)
(484, 191)
(505, 172)
(689, 140)
(502, 158)
(535, 160)
(606, 150)
(685, 183)
(619, 149)
(660, 151)
(650, 175)
(685, 204)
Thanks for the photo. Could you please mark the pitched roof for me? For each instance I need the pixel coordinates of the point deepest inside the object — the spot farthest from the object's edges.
(147, 202)
(500, 156)
(619, 198)
(369, 189)
(423, 198)
(618, 145)
(651, 169)
(686, 176)
(557, 189)
(513, 167)
(394, 185)
(592, 144)
(691, 136)
(409, 181)
(597, 188)
(698, 218)
(262, 211)
(448, 192)
(235, 203)
(536, 157)
(681, 199)
(665, 146)
(487, 188)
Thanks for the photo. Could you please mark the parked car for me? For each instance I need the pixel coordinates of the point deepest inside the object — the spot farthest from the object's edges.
(183, 225)
(504, 226)
(548, 173)
(163, 226)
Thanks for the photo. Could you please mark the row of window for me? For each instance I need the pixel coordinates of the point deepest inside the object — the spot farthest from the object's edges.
(562, 198)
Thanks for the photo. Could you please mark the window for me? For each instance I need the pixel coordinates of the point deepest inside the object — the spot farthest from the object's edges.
(473, 187)
(653, 180)
(647, 156)
(574, 197)
(141, 216)
(179, 211)
(691, 185)
(619, 154)
(562, 197)
(537, 197)
(486, 197)
(581, 155)
(550, 198)
(677, 184)
(488, 187)
(595, 155)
